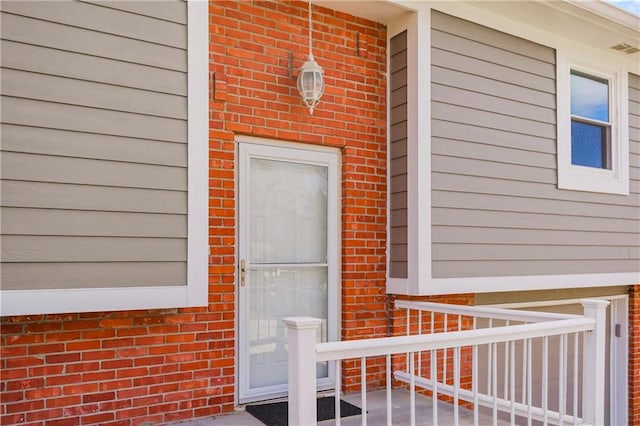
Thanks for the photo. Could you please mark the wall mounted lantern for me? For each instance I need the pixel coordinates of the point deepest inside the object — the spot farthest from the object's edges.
(310, 78)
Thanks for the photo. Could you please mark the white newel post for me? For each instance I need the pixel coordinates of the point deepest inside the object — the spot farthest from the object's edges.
(301, 340)
(593, 365)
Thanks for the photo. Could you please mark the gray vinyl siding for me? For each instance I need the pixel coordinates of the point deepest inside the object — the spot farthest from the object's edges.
(94, 144)
(398, 158)
(496, 207)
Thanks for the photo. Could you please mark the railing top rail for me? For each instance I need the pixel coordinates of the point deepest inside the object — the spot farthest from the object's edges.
(424, 342)
(484, 312)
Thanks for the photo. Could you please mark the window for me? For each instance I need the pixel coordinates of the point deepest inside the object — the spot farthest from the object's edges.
(590, 123)
(593, 146)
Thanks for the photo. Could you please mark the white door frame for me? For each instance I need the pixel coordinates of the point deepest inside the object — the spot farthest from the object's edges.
(250, 147)
(618, 361)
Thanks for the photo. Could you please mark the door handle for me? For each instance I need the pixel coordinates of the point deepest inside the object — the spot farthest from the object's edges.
(242, 273)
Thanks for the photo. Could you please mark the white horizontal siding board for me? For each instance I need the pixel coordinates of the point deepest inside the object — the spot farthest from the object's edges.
(17, 276)
(472, 252)
(30, 221)
(102, 19)
(69, 117)
(490, 86)
(464, 132)
(23, 249)
(481, 101)
(458, 114)
(87, 197)
(58, 36)
(532, 190)
(89, 94)
(522, 204)
(547, 237)
(539, 221)
(93, 299)
(37, 140)
(172, 11)
(43, 168)
(495, 169)
(491, 55)
(61, 63)
(472, 150)
(533, 274)
(482, 68)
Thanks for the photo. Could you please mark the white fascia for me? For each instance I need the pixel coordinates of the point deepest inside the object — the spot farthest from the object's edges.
(195, 293)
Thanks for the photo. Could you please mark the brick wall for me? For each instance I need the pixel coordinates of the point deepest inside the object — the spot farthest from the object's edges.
(634, 355)
(158, 366)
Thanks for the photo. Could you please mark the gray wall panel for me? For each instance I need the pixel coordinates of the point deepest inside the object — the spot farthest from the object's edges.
(31, 248)
(102, 19)
(77, 39)
(398, 249)
(17, 276)
(87, 197)
(93, 184)
(37, 140)
(44, 60)
(497, 210)
(89, 94)
(53, 115)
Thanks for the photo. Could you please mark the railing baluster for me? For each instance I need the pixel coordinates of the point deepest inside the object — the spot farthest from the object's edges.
(408, 334)
(445, 353)
(545, 380)
(363, 389)
(576, 354)
(529, 383)
(389, 406)
(338, 390)
(562, 376)
(489, 358)
(506, 366)
(494, 380)
(434, 381)
(419, 353)
(474, 380)
(412, 390)
(456, 385)
(512, 375)
(524, 371)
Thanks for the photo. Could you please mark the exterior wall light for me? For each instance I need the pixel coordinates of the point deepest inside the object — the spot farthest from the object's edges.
(310, 78)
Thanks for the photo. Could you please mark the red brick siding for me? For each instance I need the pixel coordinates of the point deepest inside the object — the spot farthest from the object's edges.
(634, 355)
(166, 365)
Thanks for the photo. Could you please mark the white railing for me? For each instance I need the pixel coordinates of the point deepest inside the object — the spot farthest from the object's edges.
(506, 351)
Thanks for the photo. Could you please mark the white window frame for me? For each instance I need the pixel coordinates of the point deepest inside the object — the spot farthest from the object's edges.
(195, 292)
(591, 179)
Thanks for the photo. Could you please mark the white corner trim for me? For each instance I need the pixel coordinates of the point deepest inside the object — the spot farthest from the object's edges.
(198, 158)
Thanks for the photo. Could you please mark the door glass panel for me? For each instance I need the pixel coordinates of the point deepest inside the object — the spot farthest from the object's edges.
(277, 293)
(287, 262)
(288, 208)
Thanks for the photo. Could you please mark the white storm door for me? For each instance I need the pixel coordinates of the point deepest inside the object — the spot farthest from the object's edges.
(288, 259)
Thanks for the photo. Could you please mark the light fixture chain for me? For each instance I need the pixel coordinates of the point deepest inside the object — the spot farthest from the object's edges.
(310, 31)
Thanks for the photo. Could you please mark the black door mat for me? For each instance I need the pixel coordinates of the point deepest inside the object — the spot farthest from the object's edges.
(277, 413)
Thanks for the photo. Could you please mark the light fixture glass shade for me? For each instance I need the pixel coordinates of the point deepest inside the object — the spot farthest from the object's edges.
(311, 83)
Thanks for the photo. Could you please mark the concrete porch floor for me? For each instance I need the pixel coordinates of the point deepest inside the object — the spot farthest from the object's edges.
(376, 407)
